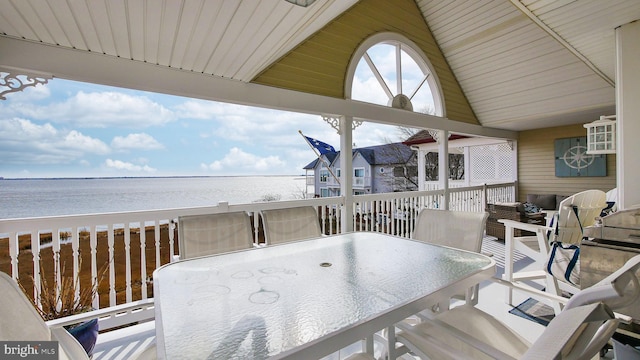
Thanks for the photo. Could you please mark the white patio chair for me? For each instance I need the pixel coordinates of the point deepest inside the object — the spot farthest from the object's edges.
(284, 225)
(458, 229)
(468, 332)
(566, 227)
(19, 321)
(200, 235)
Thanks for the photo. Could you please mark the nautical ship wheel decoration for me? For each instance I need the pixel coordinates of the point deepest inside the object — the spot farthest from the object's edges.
(577, 158)
(571, 159)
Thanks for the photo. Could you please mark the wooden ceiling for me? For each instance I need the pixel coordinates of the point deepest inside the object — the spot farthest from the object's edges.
(521, 64)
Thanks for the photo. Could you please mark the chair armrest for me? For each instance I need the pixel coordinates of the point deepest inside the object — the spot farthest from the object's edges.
(531, 290)
(523, 226)
(549, 214)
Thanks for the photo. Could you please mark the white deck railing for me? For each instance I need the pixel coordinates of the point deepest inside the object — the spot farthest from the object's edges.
(35, 242)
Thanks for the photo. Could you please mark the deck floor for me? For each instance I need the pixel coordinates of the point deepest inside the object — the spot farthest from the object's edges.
(125, 343)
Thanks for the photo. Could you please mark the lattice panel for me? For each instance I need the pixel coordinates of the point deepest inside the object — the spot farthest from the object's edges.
(483, 166)
(491, 163)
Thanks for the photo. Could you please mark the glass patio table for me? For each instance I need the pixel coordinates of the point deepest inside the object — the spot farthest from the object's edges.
(304, 299)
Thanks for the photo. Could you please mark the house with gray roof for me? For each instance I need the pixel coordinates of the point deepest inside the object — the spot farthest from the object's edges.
(376, 169)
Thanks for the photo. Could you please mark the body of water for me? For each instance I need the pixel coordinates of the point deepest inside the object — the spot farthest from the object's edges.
(50, 197)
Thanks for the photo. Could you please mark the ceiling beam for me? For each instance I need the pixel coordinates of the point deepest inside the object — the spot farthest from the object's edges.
(97, 68)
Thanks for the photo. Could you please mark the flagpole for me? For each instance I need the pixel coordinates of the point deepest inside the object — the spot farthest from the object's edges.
(319, 156)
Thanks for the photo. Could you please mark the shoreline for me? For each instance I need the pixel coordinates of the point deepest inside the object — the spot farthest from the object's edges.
(29, 198)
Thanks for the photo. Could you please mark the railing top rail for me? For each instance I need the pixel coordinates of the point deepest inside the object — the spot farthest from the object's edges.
(125, 217)
(404, 194)
(498, 185)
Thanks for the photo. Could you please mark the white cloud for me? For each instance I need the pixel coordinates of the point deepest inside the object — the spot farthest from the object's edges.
(21, 129)
(102, 110)
(244, 123)
(384, 57)
(369, 90)
(23, 142)
(241, 162)
(80, 142)
(127, 166)
(139, 141)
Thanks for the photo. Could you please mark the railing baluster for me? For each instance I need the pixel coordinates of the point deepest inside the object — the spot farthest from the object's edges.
(378, 214)
(13, 253)
(93, 245)
(75, 246)
(397, 218)
(156, 233)
(127, 256)
(35, 254)
(256, 228)
(55, 247)
(323, 218)
(171, 230)
(112, 268)
(143, 259)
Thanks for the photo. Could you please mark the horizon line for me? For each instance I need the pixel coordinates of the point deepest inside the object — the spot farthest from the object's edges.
(139, 177)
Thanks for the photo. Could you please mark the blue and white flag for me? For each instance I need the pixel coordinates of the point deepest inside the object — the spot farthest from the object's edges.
(322, 147)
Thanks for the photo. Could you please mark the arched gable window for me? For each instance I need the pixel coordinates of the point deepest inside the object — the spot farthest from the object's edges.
(388, 69)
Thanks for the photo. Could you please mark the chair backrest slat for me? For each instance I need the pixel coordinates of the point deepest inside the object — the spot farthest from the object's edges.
(459, 229)
(589, 205)
(200, 235)
(283, 225)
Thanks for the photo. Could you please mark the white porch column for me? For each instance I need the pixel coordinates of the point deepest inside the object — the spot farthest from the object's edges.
(422, 176)
(443, 165)
(467, 165)
(628, 114)
(346, 180)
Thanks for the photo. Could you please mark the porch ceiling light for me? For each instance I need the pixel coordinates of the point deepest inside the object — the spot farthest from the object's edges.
(601, 135)
(303, 3)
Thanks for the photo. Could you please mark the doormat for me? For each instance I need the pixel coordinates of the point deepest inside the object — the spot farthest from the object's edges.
(534, 310)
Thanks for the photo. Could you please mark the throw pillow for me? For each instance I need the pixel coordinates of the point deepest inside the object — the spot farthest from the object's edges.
(530, 208)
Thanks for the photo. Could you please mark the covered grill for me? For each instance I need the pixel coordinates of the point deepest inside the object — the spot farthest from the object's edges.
(612, 241)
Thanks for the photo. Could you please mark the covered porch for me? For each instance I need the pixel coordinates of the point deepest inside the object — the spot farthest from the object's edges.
(526, 72)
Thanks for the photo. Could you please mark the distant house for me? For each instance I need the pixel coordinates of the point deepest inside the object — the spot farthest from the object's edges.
(472, 160)
(376, 169)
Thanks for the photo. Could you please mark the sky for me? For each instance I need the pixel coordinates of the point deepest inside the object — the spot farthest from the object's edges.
(72, 129)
